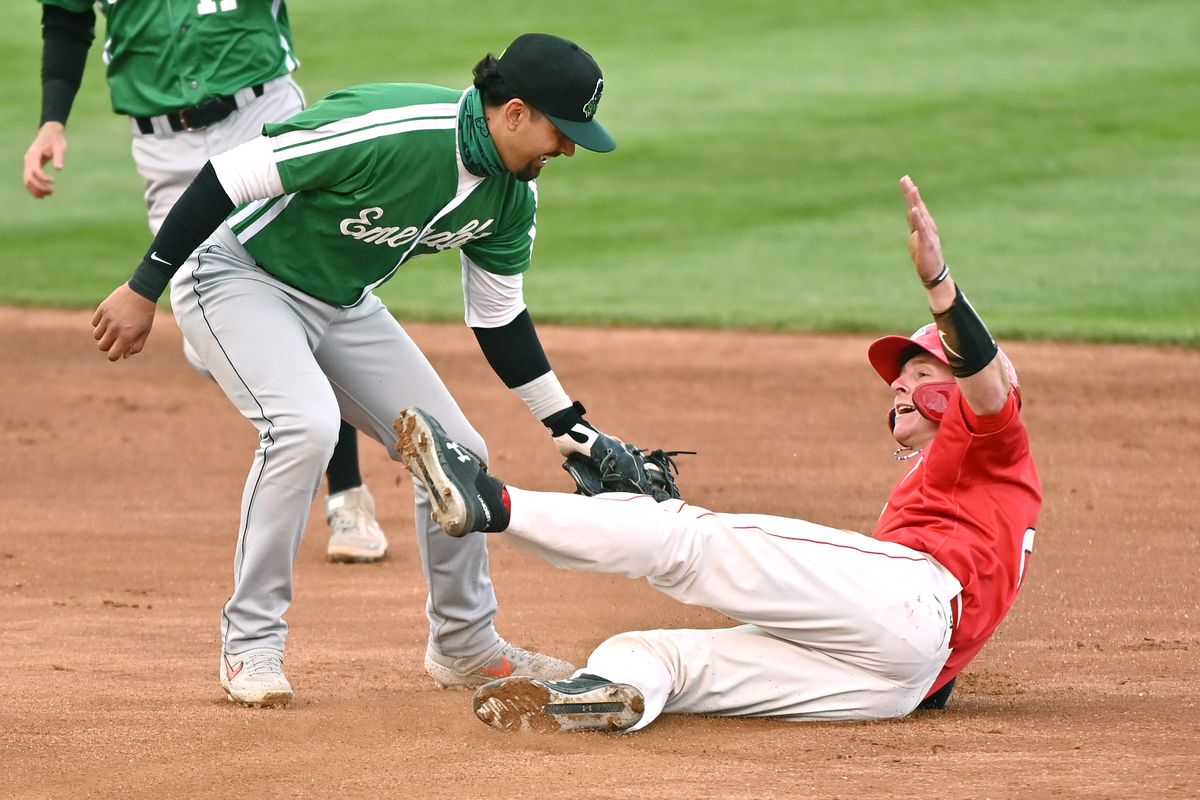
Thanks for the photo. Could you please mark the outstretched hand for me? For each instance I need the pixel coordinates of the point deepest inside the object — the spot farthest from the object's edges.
(50, 145)
(122, 323)
(924, 246)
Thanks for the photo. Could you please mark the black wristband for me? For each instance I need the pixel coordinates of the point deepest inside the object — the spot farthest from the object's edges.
(150, 278)
(195, 215)
(968, 345)
(941, 276)
(514, 350)
(562, 421)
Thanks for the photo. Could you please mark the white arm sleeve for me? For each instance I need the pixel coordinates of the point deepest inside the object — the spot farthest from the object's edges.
(544, 395)
(491, 300)
(248, 171)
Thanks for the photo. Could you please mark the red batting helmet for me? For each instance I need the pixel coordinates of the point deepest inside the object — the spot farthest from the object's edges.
(888, 354)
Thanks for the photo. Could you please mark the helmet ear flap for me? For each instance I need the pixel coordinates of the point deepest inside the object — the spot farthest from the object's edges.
(932, 399)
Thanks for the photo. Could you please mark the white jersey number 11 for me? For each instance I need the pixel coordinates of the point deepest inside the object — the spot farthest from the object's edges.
(210, 6)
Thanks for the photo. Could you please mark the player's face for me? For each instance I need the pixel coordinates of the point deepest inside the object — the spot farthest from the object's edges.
(911, 429)
(532, 142)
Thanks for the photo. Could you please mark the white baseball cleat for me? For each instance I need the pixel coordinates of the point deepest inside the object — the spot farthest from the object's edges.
(499, 661)
(255, 678)
(583, 703)
(356, 535)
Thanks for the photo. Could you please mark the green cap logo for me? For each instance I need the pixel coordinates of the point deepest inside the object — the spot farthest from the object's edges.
(589, 108)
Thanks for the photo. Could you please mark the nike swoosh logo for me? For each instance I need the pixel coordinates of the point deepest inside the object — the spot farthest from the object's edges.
(154, 257)
(230, 672)
(504, 669)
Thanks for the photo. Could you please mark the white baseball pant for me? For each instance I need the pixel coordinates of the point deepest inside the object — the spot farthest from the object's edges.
(838, 626)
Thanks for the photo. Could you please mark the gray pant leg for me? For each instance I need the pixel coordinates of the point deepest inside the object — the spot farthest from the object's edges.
(256, 339)
(377, 371)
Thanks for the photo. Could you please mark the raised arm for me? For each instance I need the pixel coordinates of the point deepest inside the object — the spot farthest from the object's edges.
(973, 354)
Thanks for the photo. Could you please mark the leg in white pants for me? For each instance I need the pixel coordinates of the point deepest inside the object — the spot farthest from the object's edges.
(840, 626)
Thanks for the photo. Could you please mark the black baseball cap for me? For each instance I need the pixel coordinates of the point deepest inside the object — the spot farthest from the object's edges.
(560, 79)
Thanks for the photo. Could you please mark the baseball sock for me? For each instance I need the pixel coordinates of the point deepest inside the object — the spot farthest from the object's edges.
(342, 472)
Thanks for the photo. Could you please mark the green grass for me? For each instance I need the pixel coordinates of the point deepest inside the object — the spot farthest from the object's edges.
(760, 145)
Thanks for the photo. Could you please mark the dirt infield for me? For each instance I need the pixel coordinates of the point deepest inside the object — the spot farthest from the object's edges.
(120, 493)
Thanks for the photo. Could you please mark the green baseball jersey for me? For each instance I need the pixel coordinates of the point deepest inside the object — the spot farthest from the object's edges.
(373, 178)
(170, 54)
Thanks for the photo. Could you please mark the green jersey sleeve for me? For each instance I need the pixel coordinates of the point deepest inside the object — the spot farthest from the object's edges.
(510, 250)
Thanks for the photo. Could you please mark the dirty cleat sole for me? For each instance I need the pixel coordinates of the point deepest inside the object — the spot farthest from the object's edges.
(528, 704)
(425, 449)
(266, 700)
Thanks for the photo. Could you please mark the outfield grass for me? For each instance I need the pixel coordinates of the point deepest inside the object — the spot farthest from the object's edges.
(760, 145)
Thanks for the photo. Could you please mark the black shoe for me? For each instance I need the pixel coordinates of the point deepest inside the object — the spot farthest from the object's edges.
(937, 702)
(584, 703)
(465, 497)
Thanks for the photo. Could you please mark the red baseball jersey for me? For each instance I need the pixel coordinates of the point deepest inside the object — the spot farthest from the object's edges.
(972, 502)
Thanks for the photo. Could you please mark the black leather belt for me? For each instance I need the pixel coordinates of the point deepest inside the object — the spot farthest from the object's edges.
(194, 118)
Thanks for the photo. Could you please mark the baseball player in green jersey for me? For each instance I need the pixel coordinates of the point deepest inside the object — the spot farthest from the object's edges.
(195, 77)
(279, 306)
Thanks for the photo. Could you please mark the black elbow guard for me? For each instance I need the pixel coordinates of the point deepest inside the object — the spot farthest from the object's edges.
(968, 345)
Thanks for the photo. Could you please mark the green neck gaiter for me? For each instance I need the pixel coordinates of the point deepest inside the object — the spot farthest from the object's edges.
(475, 140)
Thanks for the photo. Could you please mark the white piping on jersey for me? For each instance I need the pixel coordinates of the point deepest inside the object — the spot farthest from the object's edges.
(262, 222)
(292, 63)
(382, 122)
(533, 227)
(246, 211)
(362, 135)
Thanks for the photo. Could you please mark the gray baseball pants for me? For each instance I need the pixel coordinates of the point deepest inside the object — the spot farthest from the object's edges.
(294, 366)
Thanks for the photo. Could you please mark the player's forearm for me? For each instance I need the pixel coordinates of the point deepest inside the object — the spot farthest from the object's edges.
(66, 38)
(515, 352)
(194, 217)
(970, 348)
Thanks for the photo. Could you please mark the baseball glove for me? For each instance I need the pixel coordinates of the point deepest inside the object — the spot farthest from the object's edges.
(615, 466)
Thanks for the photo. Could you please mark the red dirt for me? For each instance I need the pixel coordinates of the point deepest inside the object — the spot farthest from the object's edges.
(121, 488)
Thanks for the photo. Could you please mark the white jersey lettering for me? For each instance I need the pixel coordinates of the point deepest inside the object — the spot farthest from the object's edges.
(360, 228)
